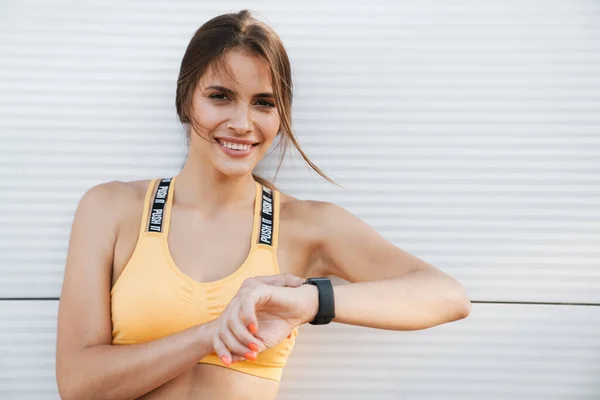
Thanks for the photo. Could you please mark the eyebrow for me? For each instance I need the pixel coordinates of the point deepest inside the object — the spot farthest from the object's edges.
(229, 91)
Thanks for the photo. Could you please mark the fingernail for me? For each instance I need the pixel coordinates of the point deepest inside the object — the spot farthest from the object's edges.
(253, 347)
(252, 328)
(226, 360)
(250, 356)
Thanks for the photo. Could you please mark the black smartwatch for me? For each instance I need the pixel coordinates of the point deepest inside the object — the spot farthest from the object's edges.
(326, 311)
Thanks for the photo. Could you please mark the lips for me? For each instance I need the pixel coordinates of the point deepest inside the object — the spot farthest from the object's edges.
(236, 149)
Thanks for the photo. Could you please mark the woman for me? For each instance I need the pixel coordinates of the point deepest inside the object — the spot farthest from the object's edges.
(193, 287)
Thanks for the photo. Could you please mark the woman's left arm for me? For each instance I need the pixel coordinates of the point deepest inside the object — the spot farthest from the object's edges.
(389, 288)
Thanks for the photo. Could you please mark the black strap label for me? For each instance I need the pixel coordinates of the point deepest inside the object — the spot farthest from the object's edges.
(266, 218)
(158, 206)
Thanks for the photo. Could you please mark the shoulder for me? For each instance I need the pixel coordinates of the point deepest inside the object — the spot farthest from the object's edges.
(311, 217)
(113, 201)
(116, 193)
(294, 210)
(325, 224)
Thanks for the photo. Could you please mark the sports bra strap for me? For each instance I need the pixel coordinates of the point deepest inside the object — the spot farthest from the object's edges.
(265, 233)
(268, 233)
(156, 220)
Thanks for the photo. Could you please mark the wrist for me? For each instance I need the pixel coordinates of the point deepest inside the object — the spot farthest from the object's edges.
(204, 334)
(312, 294)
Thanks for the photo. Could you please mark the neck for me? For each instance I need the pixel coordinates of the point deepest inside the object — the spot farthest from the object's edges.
(201, 186)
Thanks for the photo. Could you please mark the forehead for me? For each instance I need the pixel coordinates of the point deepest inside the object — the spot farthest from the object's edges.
(240, 71)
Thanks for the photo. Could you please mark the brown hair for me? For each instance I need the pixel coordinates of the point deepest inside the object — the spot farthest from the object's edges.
(208, 47)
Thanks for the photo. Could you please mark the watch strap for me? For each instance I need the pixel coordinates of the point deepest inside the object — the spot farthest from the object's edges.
(326, 311)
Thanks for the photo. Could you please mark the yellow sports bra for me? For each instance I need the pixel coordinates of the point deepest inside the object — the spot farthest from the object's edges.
(152, 298)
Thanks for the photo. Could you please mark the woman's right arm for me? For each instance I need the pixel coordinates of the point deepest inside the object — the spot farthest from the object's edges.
(87, 364)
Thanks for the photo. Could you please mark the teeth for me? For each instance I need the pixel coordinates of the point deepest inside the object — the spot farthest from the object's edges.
(235, 146)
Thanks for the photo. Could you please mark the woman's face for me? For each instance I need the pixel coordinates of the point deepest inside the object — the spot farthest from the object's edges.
(238, 116)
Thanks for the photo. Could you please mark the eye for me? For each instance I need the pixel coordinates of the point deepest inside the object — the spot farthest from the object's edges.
(265, 103)
(218, 96)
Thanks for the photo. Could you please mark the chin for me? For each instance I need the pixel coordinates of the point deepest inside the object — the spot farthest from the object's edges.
(234, 171)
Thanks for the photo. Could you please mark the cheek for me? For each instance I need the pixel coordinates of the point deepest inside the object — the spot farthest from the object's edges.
(208, 116)
(269, 125)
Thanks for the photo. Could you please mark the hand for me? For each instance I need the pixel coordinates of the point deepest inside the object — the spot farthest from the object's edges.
(261, 315)
(280, 309)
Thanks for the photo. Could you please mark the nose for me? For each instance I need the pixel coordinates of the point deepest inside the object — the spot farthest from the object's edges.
(240, 120)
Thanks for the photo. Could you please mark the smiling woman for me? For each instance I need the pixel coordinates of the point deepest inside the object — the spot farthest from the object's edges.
(223, 59)
(235, 113)
(194, 286)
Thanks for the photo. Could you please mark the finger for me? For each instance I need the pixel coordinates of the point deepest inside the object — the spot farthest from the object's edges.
(222, 351)
(234, 345)
(237, 358)
(281, 280)
(293, 280)
(250, 284)
(248, 315)
(241, 331)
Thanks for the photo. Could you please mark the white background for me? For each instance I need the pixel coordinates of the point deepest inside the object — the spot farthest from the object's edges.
(466, 132)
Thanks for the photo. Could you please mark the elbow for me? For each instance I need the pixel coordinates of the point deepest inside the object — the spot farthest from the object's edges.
(74, 391)
(464, 309)
(461, 304)
(66, 389)
(63, 384)
(72, 387)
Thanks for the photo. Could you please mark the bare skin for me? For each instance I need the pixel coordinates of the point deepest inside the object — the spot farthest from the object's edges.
(209, 238)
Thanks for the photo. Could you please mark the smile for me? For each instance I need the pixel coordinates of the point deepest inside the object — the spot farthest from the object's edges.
(234, 146)
(236, 149)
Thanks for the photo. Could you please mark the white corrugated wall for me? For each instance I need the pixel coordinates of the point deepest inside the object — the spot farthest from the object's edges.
(466, 132)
